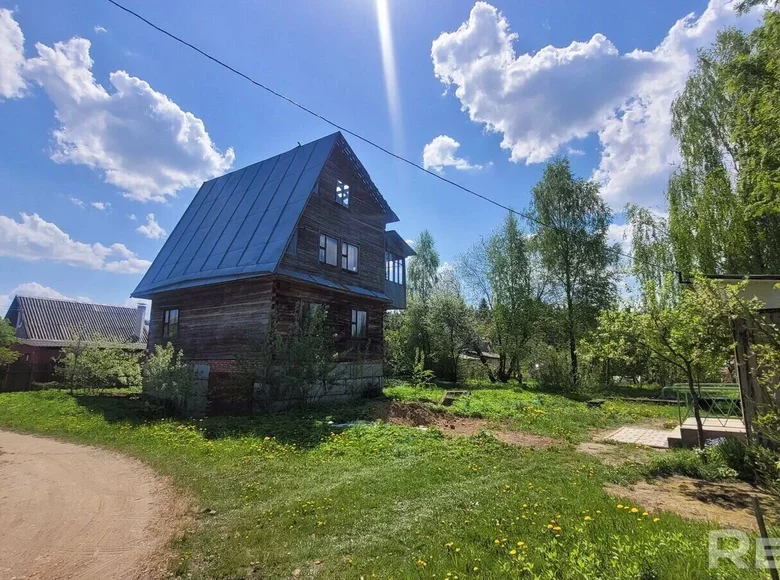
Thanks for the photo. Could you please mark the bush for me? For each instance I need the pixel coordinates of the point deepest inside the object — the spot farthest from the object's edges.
(95, 365)
(700, 465)
(166, 376)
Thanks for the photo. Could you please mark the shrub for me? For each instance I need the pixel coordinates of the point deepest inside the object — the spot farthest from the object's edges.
(166, 376)
(422, 377)
(94, 365)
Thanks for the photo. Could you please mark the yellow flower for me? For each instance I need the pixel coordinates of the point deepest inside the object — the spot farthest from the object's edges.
(557, 528)
(588, 518)
(457, 549)
(634, 510)
(549, 526)
(521, 544)
(645, 514)
(620, 506)
(496, 541)
(512, 552)
(476, 568)
(656, 519)
(266, 438)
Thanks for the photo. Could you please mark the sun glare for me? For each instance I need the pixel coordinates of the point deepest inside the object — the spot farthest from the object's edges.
(390, 73)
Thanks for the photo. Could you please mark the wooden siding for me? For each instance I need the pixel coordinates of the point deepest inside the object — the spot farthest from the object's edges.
(289, 294)
(361, 224)
(755, 398)
(215, 320)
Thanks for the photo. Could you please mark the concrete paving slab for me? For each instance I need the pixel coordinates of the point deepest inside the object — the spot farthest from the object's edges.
(657, 438)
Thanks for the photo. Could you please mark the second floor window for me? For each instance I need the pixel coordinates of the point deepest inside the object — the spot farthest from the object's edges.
(170, 327)
(329, 250)
(394, 268)
(342, 193)
(349, 257)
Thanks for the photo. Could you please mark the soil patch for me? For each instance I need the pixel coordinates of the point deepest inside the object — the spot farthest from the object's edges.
(416, 415)
(728, 503)
(79, 512)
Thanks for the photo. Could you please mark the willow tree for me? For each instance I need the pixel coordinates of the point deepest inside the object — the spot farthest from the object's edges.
(724, 199)
(422, 270)
(572, 222)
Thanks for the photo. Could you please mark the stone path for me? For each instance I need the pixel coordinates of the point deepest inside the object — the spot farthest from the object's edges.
(650, 437)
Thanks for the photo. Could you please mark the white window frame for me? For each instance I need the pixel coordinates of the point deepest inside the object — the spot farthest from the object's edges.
(342, 193)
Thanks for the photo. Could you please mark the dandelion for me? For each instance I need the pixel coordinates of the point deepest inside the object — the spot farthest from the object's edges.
(588, 518)
(620, 506)
(521, 544)
(557, 528)
(634, 510)
(476, 568)
(656, 520)
(549, 526)
(496, 541)
(512, 552)
(457, 549)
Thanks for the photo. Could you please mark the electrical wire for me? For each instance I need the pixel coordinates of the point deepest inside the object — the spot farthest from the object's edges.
(361, 137)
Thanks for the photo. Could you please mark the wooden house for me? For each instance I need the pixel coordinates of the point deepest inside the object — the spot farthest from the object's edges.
(45, 325)
(306, 227)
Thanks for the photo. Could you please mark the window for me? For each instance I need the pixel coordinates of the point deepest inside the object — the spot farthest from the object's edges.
(358, 324)
(394, 268)
(329, 250)
(308, 312)
(349, 257)
(292, 247)
(19, 320)
(170, 323)
(342, 193)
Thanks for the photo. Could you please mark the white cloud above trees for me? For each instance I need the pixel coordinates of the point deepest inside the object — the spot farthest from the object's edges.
(137, 138)
(541, 101)
(441, 152)
(34, 239)
(35, 290)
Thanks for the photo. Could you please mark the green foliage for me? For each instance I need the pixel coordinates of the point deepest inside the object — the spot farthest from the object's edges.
(96, 365)
(422, 269)
(168, 377)
(7, 339)
(295, 366)
(422, 378)
(452, 331)
(575, 250)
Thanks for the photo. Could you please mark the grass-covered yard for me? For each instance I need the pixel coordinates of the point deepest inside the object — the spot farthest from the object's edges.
(291, 495)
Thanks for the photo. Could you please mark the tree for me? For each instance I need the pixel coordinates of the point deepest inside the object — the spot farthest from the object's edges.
(573, 246)
(676, 327)
(422, 270)
(504, 274)
(724, 199)
(451, 329)
(95, 364)
(7, 339)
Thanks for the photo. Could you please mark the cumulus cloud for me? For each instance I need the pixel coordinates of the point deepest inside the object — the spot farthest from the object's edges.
(139, 139)
(35, 290)
(540, 102)
(151, 229)
(101, 205)
(34, 239)
(441, 153)
(12, 83)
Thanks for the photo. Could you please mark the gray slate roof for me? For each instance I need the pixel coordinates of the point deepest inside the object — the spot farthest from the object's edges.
(238, 225)
(51, 322)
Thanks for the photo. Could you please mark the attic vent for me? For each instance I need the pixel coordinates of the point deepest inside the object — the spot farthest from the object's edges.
(342, 193)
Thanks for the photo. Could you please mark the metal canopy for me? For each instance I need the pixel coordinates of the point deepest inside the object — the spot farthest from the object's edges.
(238, 225)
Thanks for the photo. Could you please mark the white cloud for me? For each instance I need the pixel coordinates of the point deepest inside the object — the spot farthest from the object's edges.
(151, 229)
(12, 82)
(99, 30)
(441, 153)
(132, 217)
(76, 201)
(621, 234)
(35, 290)
(540, 102)
(34, 239)
(139, 139)
(101, 205)
(573, 151)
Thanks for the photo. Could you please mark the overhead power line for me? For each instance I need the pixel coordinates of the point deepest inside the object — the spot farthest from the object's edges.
(361, 137)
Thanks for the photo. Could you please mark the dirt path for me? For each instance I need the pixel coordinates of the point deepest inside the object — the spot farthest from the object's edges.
(68, 511)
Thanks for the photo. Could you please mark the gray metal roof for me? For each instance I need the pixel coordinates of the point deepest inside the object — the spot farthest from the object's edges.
(238, 225)
(51, 322)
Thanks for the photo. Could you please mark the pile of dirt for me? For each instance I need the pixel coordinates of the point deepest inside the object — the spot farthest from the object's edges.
(728, 503)
(417, 415)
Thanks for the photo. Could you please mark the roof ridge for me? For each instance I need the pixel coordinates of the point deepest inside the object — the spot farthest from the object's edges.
(71, 301)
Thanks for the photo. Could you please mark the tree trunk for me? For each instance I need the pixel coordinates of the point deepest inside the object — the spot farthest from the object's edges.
(696, 407)
(485, 363)
(575, 377)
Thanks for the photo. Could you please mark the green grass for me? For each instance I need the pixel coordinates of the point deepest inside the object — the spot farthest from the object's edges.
(286, 492)
(543, 413)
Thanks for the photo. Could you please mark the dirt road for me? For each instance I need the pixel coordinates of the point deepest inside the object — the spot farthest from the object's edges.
(68, 511)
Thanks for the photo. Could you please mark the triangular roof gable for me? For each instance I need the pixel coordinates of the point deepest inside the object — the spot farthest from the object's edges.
(238, 225)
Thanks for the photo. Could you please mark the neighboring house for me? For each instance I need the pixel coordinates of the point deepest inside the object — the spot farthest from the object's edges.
(307, 227)
(45, 325)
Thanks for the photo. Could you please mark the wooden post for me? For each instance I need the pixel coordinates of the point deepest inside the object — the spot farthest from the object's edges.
(768, 552)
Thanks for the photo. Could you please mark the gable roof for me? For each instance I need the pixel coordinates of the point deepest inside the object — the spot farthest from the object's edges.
(238, 225)
(52, 322)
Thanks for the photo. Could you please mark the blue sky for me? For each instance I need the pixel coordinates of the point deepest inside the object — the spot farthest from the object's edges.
(118, 122)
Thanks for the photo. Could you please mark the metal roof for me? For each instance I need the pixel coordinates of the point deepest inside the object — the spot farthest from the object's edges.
(238, 225)
(397, 245)
(51, 322)
(320, 281)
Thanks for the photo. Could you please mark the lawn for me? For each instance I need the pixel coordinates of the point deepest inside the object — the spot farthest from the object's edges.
(289, 494)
